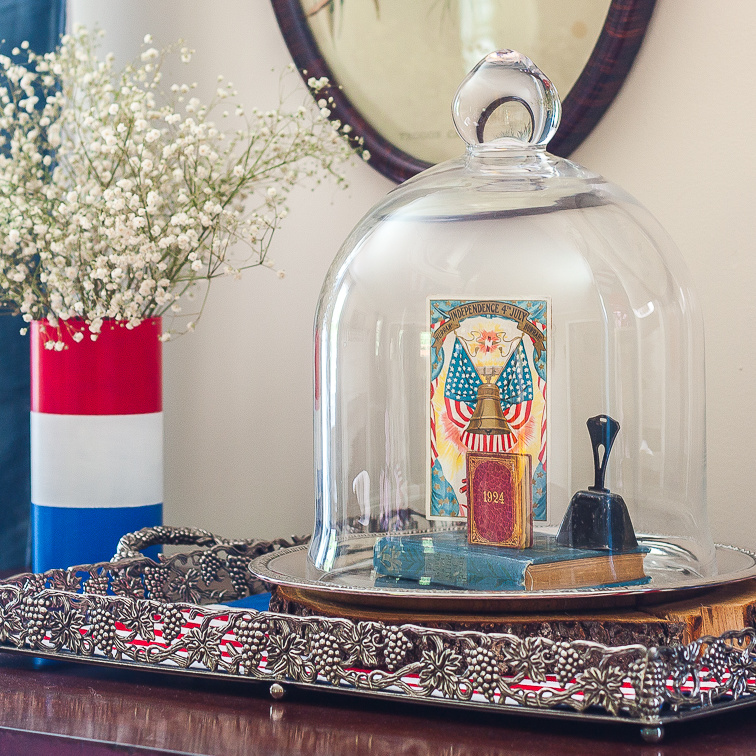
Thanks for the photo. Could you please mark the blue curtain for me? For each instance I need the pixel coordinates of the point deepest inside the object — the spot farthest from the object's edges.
(40, 22)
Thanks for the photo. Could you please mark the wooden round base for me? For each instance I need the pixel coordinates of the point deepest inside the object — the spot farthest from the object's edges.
(728, 607)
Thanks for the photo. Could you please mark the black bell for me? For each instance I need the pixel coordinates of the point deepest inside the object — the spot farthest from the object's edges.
(598, 518)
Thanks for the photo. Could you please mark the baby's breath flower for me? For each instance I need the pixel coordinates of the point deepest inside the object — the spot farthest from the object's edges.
(118, 197)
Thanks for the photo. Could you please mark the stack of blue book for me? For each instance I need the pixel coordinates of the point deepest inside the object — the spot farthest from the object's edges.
(447, 559)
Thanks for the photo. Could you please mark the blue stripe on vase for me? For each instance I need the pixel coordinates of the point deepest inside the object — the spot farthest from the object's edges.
(55, 548)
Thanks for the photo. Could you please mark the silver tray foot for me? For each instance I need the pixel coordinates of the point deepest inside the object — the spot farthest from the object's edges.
(652, 734)
(277, 691)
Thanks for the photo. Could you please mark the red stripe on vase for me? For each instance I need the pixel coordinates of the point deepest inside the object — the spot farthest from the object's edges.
(118, 374)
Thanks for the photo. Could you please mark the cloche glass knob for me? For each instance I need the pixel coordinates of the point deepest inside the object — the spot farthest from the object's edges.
(506, 102)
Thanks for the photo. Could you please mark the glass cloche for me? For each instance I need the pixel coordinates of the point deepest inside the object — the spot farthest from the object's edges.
(486, 336)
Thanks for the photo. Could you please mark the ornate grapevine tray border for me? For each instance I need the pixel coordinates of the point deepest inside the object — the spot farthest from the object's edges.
(165, 616)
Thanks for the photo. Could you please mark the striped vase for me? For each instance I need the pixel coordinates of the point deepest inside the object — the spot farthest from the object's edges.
(96, 440)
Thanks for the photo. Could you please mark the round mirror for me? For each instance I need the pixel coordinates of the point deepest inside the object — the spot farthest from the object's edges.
(395, 65)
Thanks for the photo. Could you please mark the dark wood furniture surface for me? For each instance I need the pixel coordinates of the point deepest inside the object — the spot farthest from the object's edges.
(67, 709)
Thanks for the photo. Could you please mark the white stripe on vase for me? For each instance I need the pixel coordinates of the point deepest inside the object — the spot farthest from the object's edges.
(96, 460)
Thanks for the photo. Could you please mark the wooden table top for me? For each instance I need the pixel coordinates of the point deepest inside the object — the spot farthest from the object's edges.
(67, 709)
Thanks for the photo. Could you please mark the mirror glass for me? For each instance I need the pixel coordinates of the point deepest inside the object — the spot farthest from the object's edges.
(400, 61)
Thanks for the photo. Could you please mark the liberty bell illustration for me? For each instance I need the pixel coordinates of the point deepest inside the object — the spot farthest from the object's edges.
(488, 417)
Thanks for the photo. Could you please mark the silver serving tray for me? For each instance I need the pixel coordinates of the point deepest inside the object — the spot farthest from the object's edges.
(355, 585)
(173, 617)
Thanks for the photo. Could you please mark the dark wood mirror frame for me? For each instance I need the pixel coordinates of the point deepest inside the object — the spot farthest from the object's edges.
(586, 102)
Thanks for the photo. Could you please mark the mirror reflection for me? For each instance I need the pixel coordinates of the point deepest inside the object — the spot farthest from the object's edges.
(399, 62)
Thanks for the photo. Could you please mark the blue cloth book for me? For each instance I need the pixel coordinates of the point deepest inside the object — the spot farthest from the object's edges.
(446, 558)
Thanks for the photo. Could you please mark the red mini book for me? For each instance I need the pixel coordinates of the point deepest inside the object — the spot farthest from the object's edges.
(499, 496)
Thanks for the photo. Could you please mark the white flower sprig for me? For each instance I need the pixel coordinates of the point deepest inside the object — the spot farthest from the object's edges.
(116, 197)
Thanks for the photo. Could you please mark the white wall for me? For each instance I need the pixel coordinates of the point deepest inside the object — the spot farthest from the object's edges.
(238, 391)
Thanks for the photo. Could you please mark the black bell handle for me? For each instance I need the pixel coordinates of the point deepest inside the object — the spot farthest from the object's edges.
(603, 430)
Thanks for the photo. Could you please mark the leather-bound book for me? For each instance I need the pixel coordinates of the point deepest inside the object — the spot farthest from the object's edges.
(499, 499)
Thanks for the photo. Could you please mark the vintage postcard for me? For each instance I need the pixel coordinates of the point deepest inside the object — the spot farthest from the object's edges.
(488, 378)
